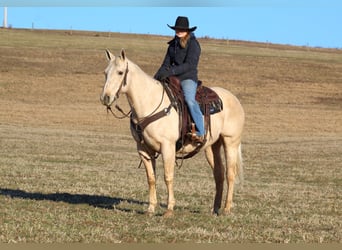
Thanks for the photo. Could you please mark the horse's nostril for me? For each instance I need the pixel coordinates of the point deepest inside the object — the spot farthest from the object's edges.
(106, 99)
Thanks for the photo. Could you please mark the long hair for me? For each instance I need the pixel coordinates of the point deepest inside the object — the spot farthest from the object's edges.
(184, 40)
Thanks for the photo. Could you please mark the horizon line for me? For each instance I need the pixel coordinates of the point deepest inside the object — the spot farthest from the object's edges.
(199, 37)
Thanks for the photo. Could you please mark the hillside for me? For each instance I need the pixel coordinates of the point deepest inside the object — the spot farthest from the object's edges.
(56, 138)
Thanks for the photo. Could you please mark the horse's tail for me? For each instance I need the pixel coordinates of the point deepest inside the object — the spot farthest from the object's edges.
(239, 167)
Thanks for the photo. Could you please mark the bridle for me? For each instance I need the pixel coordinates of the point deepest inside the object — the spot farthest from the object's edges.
(123, 83)
(117, 94)
(140, 123)
(128, 114)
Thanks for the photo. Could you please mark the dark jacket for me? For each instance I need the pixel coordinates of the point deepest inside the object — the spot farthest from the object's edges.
(182, 62)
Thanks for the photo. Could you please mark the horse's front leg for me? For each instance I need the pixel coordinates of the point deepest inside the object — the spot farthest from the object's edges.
(169, 154)
(150, 166)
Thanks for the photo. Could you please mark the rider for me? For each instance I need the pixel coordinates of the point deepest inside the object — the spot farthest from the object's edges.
(181, 60)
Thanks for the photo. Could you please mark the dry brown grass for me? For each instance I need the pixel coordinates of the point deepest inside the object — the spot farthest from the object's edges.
(69, 171)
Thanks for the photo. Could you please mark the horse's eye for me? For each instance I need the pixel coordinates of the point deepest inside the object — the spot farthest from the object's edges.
(120, 73)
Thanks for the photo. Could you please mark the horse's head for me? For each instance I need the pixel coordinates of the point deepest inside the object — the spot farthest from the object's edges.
(116, 77)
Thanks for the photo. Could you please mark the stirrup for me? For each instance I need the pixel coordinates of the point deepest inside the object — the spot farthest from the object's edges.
(199, 140)
(194, 137)
(192, 134)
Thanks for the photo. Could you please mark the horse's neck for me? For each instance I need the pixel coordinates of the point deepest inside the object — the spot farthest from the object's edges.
(144, 93)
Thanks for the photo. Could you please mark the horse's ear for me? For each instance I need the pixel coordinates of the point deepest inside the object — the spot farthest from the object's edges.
(109, 55)
(123, 54)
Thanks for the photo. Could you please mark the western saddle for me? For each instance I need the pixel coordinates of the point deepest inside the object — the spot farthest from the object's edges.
(210, 103)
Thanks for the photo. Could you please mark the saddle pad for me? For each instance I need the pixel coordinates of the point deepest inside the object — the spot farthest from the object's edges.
(206, 96)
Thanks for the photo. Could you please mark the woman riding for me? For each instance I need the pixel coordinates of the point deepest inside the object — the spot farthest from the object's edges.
(181, 60)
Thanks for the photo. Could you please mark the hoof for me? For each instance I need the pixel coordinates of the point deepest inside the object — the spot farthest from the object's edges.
(226, 211)
(215, 211)
(168, 214)
(149, 213)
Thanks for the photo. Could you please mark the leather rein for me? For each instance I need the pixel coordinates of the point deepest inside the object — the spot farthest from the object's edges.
(143, 122)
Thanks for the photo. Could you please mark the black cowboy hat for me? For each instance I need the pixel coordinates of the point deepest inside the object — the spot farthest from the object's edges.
(182, 23)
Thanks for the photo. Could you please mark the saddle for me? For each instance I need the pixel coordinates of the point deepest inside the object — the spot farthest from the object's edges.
(210, 103)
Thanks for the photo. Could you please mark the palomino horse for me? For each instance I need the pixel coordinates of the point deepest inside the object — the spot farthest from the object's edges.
(146, 97)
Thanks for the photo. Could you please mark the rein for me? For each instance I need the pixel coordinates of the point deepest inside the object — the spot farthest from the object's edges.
(144, 121)
(124, 115)
(141, 123)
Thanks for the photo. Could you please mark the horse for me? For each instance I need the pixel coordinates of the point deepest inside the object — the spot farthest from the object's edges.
(146, 97)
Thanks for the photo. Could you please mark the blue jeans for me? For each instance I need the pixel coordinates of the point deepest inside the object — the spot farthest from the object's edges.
(189, 88)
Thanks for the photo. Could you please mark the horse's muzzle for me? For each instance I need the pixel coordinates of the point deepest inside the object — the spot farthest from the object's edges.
(106, 100)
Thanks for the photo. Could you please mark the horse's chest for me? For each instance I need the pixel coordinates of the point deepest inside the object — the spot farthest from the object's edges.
(151, 141)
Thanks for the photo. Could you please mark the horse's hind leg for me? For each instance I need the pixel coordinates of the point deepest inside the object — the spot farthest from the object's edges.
(214, 159)
(232, 153)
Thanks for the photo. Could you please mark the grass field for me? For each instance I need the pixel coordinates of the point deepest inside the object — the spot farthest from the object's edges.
(69, 170)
